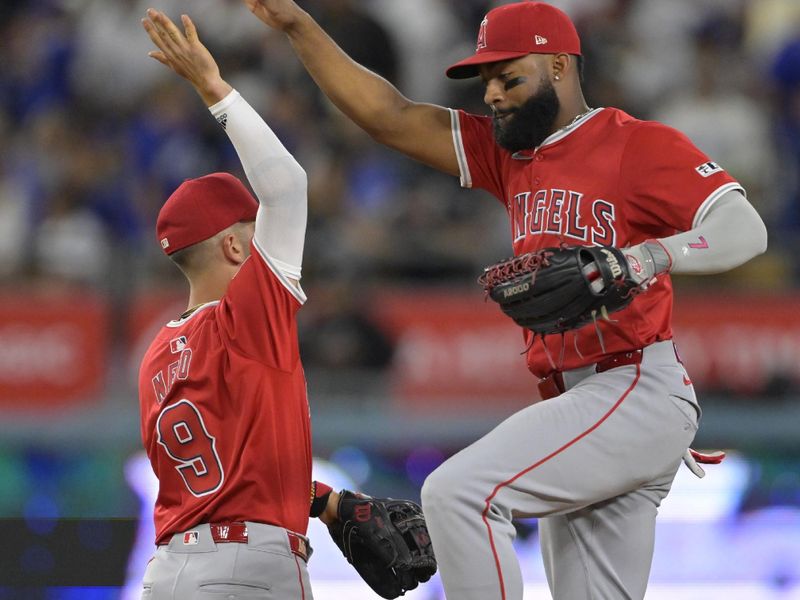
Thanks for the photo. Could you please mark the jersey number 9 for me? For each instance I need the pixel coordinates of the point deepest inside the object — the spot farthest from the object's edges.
(183, 434)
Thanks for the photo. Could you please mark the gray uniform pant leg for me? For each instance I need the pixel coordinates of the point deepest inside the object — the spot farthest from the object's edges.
(603, 551)
(262, 569)
(609, 446)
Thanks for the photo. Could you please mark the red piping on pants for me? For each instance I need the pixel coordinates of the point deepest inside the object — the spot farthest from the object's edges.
(541, 462)
(300, 578)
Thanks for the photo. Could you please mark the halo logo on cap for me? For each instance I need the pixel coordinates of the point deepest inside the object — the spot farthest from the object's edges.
(482, 34)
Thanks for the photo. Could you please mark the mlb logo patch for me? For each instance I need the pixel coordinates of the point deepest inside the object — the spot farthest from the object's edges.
(177, 345)
(708, 169)
(190, 538)
(164, 243)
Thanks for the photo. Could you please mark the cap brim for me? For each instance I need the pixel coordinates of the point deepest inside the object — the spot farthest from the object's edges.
(468, 67)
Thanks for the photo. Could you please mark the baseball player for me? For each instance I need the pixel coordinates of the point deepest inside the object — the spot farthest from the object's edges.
(594, 460)
(224, 413)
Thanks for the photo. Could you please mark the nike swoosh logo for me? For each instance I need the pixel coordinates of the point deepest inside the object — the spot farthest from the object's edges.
(686, 380)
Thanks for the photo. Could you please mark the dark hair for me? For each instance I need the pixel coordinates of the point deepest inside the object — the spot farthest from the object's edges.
(184, 257)
(580, 67)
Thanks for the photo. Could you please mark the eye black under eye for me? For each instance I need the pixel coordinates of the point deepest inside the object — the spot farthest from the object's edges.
(512, 83)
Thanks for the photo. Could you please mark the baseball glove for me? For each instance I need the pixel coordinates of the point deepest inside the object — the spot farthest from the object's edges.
(554, 290)
(386, 541)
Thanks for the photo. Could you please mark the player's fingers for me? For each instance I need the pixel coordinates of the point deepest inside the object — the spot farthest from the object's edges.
(189, 29)
(166, 28)
(159, 35)
(253, 6)
(160, 57)
(152, 32)
(172, 30)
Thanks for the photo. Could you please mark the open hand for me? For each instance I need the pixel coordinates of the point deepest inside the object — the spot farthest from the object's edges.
(278, 14)
(183, 52)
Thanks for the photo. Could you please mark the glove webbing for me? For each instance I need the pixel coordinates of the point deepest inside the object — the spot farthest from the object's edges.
(527, 263)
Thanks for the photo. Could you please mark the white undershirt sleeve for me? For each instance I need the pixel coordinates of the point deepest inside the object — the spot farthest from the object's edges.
(280, 183)
(730, 233)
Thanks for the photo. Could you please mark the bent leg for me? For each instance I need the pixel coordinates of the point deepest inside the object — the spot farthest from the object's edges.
(603, 551)
(608, 436)
(538, 462)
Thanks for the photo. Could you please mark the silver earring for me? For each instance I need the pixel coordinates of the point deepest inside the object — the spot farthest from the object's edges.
(557, 78)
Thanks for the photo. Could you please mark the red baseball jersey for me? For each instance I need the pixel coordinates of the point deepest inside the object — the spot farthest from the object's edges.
(608, 179)
(224, 412)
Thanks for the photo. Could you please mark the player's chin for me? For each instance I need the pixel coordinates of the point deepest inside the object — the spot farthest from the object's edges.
(507, 138)
(502, 126)
(502, 120)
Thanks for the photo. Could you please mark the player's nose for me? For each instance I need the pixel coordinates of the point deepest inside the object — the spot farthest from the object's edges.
(494, 93)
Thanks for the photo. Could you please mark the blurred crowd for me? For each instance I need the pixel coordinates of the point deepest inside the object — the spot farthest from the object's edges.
(95, 135)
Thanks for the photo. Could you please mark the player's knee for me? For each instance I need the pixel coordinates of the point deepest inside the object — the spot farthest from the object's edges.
(441, 489)
(431, 495)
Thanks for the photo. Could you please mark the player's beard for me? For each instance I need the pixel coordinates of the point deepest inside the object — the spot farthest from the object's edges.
(528, 125)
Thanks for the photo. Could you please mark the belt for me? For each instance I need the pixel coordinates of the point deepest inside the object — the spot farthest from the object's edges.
(553, 385)
(236, 532)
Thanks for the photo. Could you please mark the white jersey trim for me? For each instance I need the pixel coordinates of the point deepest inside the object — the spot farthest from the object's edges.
(703, 209)
(201, 308)
(565, 131)
(461, 155)
(295, 290)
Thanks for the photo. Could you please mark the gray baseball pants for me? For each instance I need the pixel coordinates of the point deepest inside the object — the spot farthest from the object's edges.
(593, 464)
(194, 567)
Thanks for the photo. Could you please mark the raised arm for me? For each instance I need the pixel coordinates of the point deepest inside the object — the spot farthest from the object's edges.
(278, 180)
(421, 131)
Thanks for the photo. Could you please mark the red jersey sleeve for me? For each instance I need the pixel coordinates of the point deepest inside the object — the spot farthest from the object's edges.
(257, 313)
(480, 159)
(666, 181)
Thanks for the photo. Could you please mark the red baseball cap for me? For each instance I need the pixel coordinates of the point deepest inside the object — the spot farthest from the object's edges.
(201, 208)
(518, 29)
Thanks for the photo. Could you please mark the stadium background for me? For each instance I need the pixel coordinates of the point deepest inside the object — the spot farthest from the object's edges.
(405, 362)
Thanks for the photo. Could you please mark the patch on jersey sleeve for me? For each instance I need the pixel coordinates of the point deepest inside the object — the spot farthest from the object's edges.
(708, 169)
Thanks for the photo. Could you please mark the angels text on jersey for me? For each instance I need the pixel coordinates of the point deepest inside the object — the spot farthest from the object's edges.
(176, 370)
(565, 213)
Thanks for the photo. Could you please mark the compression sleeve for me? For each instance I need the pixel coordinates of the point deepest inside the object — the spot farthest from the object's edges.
(278, 180)
(730, 234)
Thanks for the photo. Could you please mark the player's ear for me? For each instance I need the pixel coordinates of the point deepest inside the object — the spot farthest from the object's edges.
(234, 249)
(559, 65)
